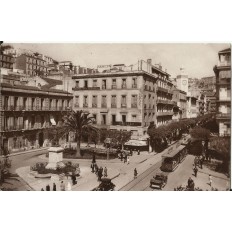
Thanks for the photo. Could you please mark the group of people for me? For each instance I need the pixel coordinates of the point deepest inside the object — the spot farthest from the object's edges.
(63, 187)
(99, 171)
(124, 155)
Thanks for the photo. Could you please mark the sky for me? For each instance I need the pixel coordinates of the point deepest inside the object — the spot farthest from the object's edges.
(197, 59)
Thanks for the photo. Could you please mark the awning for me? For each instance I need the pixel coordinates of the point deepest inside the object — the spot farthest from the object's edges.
(52, 120)
(137, 143)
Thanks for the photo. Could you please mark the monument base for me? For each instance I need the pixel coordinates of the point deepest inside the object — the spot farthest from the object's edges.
(55, 156)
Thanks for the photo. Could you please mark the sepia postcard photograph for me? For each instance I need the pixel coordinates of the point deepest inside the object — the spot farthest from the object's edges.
(115, 116)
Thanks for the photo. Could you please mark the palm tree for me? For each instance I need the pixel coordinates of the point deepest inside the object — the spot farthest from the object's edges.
(77, 122)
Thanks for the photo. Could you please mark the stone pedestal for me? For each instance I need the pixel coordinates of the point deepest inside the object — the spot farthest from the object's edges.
(55, 156)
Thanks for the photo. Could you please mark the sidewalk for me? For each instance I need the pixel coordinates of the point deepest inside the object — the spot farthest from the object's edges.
(121, 173)
(185, 170)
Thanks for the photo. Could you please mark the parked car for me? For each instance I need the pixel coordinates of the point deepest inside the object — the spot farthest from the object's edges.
(159, 180)
(105, 185)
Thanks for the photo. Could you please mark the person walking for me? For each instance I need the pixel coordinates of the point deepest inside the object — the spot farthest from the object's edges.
(210, 180)
(195, 171)
(96, 169)
(189, 182)
(105, 172)
(73, 179)
(131, 152)
(121, 155)
(54, 187)
(48, 187)
(62, 186)
(128, 160)
(138, 152)
(135, 173)
(125, 158)
(99, 174)
(201, 162)
(92, 167)
(42, 189)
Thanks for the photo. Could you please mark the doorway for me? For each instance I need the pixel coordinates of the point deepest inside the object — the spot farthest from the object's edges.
(41, 139)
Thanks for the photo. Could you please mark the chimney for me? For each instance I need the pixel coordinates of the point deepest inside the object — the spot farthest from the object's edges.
(149, 61)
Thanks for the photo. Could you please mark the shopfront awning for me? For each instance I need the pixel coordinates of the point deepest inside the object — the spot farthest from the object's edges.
(52, 120)
(136, 143)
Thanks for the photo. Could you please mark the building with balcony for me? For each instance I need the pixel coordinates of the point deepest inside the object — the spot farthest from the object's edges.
(7, 61)
(180, 97)
(210, 102)
(31, 64)
(28, 112)
(125, 97)
(223, 91)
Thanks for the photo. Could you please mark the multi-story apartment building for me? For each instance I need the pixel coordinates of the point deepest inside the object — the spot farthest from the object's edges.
(210, 102)
(192, 107)
(28, 112)
(180, 97)
(7, 61)
(127, 99)
(31, 64)
(223, 91)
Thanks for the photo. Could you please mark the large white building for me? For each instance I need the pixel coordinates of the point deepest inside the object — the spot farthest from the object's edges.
(126, 97)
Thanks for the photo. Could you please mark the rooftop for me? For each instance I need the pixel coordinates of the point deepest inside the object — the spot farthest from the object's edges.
(228, 50)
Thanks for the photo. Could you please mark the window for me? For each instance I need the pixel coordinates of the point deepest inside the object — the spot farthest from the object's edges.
(134, 118)
(114, 84)
(15, 143)
(113, 101)
(134, 82)
(228, 92)
(77, 84)
(86, 84)
(134, 101)
(103, 122)
(123, 101)
(103, 84)
(76, 101)
(104, 104)
(85, 104)
(94, 83)
(94, 101)
(123, 83)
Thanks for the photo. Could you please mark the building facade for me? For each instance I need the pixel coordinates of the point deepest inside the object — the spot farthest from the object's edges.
(122, 99)
(7, 61)
(31, 64)
(28, 112)
(223, 91)
(180, 97)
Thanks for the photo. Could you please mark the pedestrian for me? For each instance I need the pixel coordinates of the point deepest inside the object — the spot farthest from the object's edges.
(195, 171)
(210, 180)
(42, 189)
(92, 167)
(48, 187)
(121, 154)
(125, 158)
(62, 186)
(73, 179)
(135, 173)
(105, 172)
(138, 152)
(96, 169)
(131, 152)
(99, 174)
(128, 160)
(189, 182)
(94, 159)
(69, 187)
(201, 162)
(54, 187)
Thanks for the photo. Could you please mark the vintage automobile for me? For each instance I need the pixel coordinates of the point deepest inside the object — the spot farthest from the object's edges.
(105, 185)
(159, 180)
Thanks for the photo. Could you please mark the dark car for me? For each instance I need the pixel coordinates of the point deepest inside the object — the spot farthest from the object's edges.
(105, 185)
(159, 180)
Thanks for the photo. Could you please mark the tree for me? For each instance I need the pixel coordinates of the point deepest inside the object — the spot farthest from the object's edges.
(5, 47)
(201, 134)
(222, 146)
(77, 122)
